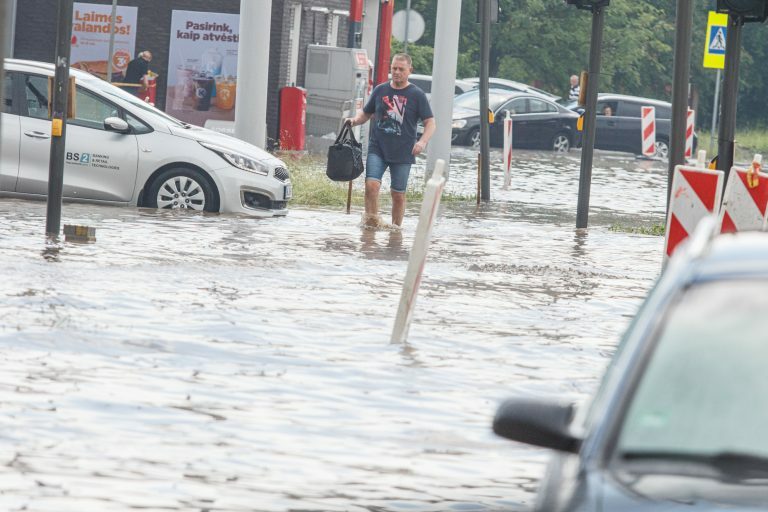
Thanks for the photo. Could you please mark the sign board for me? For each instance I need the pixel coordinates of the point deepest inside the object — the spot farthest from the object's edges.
(714, 47)
(202, 66)
(90, 38)
(413, 20)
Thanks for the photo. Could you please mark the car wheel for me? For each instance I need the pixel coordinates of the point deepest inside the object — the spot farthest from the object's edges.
(662, 148)
(561, 143)
(473, 138)
(181, 188)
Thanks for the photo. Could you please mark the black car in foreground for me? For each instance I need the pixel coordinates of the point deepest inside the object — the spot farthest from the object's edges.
(679, 422)
(537, 122)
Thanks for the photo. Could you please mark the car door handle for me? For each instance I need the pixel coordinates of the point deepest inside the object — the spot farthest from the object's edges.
(37, 135)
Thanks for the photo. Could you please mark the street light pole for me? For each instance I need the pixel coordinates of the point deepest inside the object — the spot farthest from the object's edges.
(725, 142)
(111, 40)
(588, 143)
(485, 45)
(60, 103)
(681, 77)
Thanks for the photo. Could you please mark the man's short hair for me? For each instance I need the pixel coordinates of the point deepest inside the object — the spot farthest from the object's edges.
(405, 57)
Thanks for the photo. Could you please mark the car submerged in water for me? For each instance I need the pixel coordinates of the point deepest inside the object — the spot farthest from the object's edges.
(123, 151)
(677, 423)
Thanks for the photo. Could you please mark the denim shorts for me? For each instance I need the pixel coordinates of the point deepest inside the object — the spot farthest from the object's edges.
(375, 167)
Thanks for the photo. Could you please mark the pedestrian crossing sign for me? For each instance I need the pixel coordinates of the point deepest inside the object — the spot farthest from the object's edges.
(714, 50)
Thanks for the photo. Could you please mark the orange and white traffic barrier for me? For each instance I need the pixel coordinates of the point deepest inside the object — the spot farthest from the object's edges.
(696, 193)
(745, 199)
(689, 133)
(507, 150)
(648, 130)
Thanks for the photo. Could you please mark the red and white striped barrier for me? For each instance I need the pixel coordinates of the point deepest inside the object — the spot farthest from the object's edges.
(689, 133)
(648, 130)
(745, 199)
(696, 193)
(507, 150)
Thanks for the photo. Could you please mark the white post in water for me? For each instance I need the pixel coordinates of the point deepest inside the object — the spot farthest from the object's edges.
(252, 60)
(432, 194)
(507, 150)
(444, 81)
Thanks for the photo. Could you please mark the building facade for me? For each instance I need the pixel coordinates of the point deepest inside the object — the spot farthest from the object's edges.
(294, 25)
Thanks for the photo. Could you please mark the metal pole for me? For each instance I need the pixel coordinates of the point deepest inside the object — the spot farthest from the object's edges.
(3, 21)
(715, 105)
(681, 77)
(485, 45)
(354, 38)
(588, 145)
(407, 23)
(60, 103)
(383, 49)
(111, 40)
(725, 142)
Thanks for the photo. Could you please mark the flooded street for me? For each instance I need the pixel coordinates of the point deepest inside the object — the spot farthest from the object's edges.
(188, 362)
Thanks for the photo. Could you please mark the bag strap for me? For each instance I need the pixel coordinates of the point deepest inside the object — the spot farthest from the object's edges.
(352, 135)
(342, 134)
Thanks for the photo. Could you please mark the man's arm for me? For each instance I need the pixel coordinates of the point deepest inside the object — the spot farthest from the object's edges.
(429, 130)
(360, 118)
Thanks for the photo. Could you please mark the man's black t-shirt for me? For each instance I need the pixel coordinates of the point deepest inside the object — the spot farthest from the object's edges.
(393, 125)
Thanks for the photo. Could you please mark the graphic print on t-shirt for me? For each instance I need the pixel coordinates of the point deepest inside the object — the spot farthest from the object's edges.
(391, 122)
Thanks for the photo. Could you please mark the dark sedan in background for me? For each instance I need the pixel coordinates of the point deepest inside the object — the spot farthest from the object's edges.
(537, 122)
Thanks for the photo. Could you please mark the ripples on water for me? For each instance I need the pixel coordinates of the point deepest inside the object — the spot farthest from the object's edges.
(220, 363)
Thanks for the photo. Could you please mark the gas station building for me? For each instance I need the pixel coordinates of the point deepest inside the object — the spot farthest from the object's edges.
(295, 25)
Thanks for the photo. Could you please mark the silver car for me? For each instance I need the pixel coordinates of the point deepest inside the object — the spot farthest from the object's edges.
(121, 150)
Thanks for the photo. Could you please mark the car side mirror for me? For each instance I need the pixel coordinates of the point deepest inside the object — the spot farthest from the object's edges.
(537, 423)
(115, 124)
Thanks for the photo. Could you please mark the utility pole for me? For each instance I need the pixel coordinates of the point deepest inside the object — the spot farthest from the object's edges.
(60, 103)
(111, 40)
(725, 142)
(593, 83)
(681, 77)
(485, 45)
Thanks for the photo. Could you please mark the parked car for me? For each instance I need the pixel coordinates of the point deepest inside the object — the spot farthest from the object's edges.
(536, 121)
(622, 130)
(511, 85)
(678, 422)
(122, 151)
(424, 82)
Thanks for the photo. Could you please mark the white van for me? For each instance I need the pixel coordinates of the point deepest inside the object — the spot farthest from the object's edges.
(120, 150)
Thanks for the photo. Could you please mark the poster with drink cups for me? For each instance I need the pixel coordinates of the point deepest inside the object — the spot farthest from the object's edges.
(90, 38)
(202, 66)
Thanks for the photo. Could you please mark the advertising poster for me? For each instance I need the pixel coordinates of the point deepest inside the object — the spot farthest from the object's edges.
(202, 67)
(90, 38)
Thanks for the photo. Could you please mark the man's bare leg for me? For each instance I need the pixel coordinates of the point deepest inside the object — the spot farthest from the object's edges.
(398, 207)
(372, 202)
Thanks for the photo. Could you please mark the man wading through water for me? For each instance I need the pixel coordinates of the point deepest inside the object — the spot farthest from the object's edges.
(396, 106)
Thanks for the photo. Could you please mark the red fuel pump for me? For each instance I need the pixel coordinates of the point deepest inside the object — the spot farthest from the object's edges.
(293, 118)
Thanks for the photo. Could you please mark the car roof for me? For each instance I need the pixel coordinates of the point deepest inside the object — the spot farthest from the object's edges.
(45, 68)
(458, 81)
(635, 99)
(512, 83)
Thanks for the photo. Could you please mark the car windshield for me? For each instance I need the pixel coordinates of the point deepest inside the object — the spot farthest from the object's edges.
(699, 397)
(471, 100)
(109, 89)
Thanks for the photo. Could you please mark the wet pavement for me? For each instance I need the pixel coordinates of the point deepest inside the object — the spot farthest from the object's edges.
(189, 362)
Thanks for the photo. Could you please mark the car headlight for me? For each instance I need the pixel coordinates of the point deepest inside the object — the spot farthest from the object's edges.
(238, 160)
(459, 123)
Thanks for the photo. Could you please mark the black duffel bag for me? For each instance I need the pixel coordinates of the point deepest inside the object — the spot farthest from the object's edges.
(345, 156)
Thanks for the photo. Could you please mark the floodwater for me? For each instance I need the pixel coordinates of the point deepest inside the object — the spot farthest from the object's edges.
(189, 362)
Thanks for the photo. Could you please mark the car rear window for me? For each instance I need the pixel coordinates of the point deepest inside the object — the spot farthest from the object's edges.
(700, 392)
(424, 85)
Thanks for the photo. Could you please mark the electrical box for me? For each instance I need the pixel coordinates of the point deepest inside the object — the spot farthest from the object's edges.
(336, 80)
